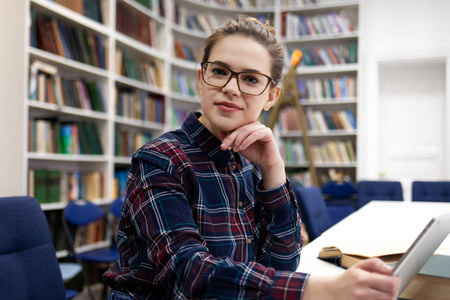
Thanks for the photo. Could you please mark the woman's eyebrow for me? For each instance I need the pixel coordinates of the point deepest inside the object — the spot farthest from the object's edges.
(228, 66)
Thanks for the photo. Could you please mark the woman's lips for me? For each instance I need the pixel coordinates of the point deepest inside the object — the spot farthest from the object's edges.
(228, 106)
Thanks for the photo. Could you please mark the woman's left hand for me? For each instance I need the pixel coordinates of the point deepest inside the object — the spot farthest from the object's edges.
(256, 142)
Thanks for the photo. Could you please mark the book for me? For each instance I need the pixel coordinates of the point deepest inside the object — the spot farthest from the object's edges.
(348, 254)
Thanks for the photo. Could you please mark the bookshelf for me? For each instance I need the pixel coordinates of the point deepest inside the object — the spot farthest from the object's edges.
(124, 86)
(327, 34)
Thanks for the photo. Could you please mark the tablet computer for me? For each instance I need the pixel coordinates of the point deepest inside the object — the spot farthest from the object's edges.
(422, 249)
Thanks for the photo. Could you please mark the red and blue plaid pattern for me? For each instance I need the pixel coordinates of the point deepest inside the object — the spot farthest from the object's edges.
(197, 224)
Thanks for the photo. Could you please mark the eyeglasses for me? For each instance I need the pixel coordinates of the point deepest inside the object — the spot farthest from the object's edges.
(250, 83)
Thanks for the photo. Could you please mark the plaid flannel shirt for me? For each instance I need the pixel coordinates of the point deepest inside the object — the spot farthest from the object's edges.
(198, 224)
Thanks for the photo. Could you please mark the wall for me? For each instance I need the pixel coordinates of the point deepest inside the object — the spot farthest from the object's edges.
(398, 35)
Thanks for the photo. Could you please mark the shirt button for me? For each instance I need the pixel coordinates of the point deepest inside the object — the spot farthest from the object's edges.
(233, 167)
(240, 203)
(249, 241)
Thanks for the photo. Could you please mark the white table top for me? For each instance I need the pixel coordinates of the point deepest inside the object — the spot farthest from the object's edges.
(377, 221)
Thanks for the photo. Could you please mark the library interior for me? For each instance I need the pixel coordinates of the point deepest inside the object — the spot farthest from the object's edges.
(362, 125)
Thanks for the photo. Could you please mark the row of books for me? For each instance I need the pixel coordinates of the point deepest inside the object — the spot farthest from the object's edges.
(332, 151)
(179, 116)
(324, 121)
(317, 120)
(60, 186)
(54, 220)
(89, 8)
(140, 105)
(185, 51)
(136, 25)
(52, 35)
(329, 55)
(120, 182)
(127, 141)
(144, 70)
(331, 23)
(240, 3)
(202, 22)
(296, 2)
(157, 6)
(90, 234)
(53, 136)
(184, 84)
(319, 90)
(323, 176)
(47, 85)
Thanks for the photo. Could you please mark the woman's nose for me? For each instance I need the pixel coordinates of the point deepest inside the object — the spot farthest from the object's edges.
(232, 87)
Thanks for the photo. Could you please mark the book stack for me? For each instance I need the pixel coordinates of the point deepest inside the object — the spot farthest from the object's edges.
(329, 24)
(127, 141)
(49, 86)
(140, 105)
(136, 25)
(89, 8)
(204, 23)
(328, 55)
(324, 121)
(184, 84)
(185, 51)
(157, 6)
(334, 151)
(69, 41)
(53, 136)
(144, 70)
(321, 90)
(59, 186)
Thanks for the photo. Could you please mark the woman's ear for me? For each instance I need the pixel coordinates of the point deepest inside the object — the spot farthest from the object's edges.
(199, 80)
(273, 97)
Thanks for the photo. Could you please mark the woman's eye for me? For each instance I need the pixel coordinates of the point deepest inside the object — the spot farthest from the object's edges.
(219, 71)
(251, 79)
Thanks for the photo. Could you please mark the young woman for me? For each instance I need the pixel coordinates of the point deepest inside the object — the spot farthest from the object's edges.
(209, 212)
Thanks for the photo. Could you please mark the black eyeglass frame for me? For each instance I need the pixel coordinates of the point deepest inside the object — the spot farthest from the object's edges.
(236, 74)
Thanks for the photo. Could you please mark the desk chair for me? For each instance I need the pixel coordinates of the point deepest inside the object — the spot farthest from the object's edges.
(340, 198)
(77, 215)
(378, 190)
(27, 256)
(312, 210)
(437, 191)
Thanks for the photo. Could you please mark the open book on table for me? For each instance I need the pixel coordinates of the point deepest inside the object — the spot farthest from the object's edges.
(347, 254)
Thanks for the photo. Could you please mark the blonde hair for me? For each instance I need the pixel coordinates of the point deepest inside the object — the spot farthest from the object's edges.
(262, 33)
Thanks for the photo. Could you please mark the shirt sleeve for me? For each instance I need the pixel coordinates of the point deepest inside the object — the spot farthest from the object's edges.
(280, 238)
(176, 257)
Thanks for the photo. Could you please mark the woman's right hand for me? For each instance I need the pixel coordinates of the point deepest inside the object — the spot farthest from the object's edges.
(368, 279)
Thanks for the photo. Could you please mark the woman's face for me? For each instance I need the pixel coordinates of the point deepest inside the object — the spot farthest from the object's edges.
(227, 108)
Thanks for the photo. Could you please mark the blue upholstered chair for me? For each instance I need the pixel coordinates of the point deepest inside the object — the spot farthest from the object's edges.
(378, 190)
(340, 198)
(312, 210)
(81, 213)
(437, 191)
(29, 265)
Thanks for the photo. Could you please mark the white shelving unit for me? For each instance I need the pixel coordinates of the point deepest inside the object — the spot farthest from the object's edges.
(296, 39)
(15, 21)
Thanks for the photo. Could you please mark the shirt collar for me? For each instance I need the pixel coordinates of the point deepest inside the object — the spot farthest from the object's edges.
(206, 140)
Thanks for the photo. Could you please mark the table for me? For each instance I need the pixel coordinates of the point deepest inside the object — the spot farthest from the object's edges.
(378, 221)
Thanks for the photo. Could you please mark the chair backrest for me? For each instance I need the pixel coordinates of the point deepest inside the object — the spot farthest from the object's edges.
(437, 191)
(83, 212)
(30, 269)
(312, 210)
(378, 190)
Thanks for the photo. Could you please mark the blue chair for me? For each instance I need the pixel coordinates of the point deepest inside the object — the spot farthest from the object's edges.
(77, 215)
(312, 210)
(340, 198)
(378, 190)
(437, 191)
(29, 264)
